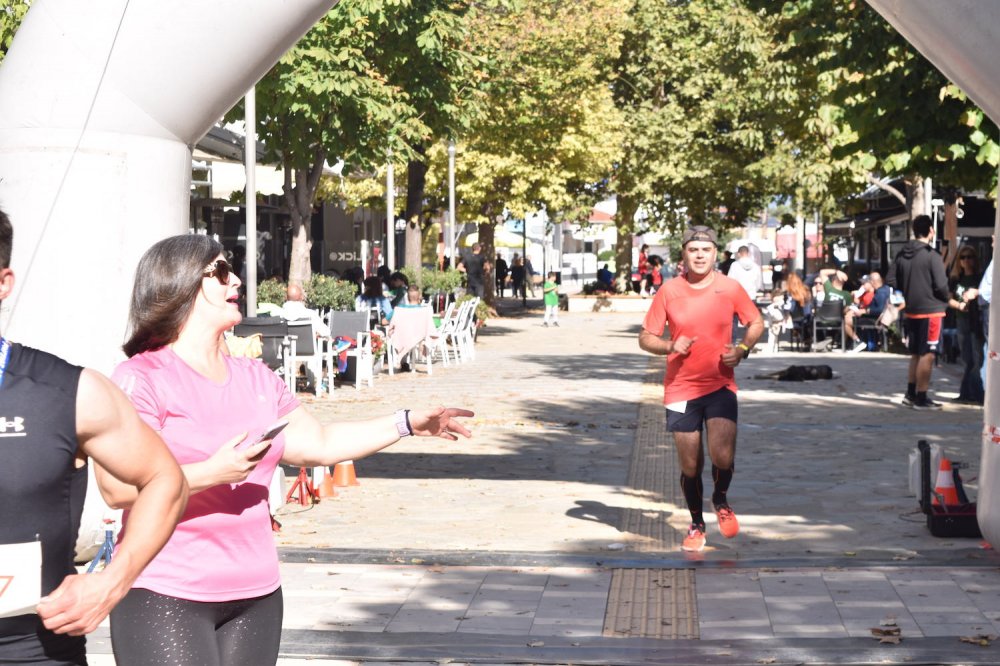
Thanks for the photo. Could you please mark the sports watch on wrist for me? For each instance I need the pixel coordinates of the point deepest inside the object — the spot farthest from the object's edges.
(746, 350)
(403, 423)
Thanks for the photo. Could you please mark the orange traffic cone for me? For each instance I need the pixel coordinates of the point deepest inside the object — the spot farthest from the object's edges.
(343, 474)
(326, 487)
(944, 487)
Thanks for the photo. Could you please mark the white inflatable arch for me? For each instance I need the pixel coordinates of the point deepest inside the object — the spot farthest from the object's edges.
(961, 38)
(100, 103)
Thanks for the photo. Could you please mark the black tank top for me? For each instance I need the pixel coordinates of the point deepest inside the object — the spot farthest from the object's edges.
(41, 490)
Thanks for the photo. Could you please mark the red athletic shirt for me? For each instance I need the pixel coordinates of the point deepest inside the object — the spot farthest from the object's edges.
(706, 314)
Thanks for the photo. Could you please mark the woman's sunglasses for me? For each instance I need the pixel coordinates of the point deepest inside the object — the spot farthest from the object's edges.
(220, 270)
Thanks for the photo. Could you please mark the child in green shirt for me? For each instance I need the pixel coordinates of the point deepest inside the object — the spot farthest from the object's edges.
(551, 291)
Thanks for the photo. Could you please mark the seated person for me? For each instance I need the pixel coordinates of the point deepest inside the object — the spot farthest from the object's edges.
(398, 285)
(869, 301)
(777, 319)
(372, 297)
(833, 286)
(818, 292)
(604, 276)
(294, 311)
(414, 299)
(268, 310)
(880, 296)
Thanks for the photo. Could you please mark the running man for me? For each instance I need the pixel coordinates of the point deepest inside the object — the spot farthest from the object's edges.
(699, 388)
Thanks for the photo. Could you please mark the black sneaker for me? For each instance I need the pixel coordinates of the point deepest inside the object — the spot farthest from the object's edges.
(926, 404)
(907, 401)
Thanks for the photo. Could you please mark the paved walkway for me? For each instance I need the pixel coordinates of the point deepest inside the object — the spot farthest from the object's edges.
(551, 536)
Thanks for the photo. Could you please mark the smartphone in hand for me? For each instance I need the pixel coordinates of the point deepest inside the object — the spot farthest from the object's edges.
(270, 433)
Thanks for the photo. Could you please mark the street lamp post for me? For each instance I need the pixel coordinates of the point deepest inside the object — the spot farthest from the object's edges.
(250, 163)
(524, 263)
(390, 217)
(450, 235)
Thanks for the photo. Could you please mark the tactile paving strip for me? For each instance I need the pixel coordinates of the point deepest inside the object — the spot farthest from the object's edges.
(653, 469)
(652, 603)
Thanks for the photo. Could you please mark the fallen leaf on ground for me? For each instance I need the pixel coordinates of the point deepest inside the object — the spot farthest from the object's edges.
(982, 640)
(889, 634)
(536, 644)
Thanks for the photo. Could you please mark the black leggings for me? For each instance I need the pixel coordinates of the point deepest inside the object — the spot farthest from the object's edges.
(150, 629)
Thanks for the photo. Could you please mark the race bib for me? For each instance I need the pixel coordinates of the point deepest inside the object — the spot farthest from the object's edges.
(679, 406)
(20, 578)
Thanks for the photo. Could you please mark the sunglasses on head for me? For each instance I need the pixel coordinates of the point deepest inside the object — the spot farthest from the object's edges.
(220, 270)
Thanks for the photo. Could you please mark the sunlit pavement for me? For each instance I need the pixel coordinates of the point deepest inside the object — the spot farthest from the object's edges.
(551, 536)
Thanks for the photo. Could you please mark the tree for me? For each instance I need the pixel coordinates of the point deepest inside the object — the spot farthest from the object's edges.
(425, 53)
(701, 89)
(12, 12)
(877, 105)
(361, 85)
(549, 131)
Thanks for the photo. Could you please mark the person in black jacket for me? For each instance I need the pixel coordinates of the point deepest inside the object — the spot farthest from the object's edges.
(918, 272)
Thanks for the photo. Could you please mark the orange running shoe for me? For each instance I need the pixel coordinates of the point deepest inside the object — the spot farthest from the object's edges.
(728, 525)
(694, 542)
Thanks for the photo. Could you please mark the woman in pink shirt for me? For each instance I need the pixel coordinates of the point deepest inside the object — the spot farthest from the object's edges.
(212, 596)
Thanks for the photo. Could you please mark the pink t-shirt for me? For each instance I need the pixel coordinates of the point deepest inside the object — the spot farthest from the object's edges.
(222, 548)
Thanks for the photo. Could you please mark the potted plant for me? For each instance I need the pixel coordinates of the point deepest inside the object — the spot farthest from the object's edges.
(271, 291)
(326, 293)
(439, 285)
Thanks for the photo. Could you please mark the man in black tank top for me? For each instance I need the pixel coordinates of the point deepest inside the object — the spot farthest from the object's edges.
(53, 416)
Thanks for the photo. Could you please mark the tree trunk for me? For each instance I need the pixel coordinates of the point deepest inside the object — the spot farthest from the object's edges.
(625, 225)
(915, 195)
(486, 239)
(949, 238)
(416, 177)
(299, 200)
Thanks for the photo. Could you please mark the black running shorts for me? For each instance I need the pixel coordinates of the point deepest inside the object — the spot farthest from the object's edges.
(720, 404)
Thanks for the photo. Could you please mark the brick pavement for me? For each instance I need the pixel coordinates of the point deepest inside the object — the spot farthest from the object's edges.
(551, 536)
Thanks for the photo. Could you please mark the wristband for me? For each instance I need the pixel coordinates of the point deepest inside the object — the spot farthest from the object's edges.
(746, 350)
(403, 423)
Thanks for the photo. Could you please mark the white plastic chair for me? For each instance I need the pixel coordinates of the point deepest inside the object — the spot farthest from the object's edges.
(355, 325)
(466, 330)
(461, 338)
(439, 344)
(312, 350)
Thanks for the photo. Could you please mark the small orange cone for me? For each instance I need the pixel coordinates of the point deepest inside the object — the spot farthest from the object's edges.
(343, 474)
(326, 487)
(944, 487)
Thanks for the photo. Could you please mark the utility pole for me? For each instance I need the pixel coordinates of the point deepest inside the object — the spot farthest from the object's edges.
(390, 215)
(450, 235)
(250, 163)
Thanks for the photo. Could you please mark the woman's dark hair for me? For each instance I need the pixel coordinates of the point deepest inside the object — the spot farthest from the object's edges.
(401, 277)
(373, 288)
(167, 281)
(383, 272)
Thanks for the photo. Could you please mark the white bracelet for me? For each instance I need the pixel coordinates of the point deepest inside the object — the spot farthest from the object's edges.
(403, 423)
